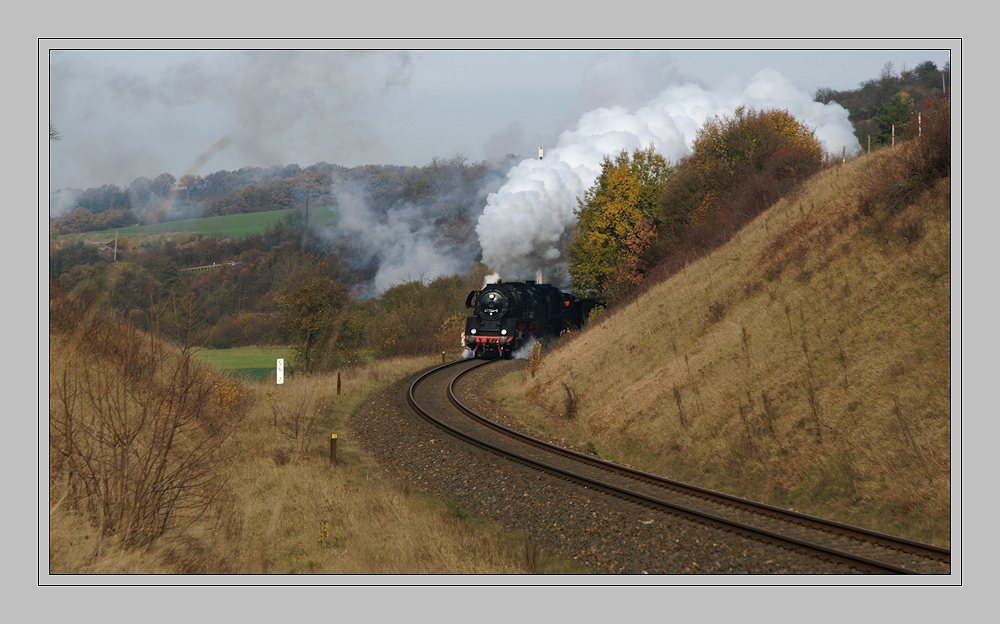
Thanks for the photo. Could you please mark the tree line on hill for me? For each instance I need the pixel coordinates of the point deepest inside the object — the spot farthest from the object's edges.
(256, 189)
(879, 103)
(268, 284)
(282, 287)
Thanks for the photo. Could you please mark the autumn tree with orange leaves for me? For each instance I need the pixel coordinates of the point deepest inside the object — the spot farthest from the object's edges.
(614, 214)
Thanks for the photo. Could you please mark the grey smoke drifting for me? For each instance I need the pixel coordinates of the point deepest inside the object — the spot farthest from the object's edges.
(278, 107)
(413, 240)
(403, 243)
(524, 225)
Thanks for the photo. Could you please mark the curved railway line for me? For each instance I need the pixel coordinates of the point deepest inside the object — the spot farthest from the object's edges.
(846, 548)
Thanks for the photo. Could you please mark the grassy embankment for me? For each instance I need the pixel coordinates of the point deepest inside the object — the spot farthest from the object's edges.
(250, 363)
(806, 363)
(250, 463)
(297, 514)
(228, 226)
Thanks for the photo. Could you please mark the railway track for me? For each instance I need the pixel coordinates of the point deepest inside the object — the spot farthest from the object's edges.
(845, 548)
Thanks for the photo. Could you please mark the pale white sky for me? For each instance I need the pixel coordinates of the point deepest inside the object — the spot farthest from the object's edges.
(124, 114)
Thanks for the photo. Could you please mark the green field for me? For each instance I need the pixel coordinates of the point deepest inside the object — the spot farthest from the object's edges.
(229, 226)
(251, 363)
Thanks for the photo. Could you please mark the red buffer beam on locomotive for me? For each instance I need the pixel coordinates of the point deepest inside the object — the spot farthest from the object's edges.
(507, 315)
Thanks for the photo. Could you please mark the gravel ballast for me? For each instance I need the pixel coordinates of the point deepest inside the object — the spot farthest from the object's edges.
(566, 520)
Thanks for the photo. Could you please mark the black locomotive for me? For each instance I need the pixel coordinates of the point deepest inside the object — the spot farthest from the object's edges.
(507, 315)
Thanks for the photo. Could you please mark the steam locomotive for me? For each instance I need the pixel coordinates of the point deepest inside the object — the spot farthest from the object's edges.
(507, 315)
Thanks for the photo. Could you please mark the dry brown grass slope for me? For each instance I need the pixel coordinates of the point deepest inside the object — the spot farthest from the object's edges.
(268, 502)
(806, 363)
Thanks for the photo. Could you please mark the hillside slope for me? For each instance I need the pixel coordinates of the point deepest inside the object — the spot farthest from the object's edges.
(806, 363)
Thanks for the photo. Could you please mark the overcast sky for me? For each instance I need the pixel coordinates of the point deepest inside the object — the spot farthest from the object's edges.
(123, 114)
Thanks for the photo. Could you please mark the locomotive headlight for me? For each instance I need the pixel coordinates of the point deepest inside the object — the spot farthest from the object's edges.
(473, 330)
(503, 332)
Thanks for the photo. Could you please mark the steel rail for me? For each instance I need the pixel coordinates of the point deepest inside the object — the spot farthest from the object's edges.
(910, 546)
(702, 516)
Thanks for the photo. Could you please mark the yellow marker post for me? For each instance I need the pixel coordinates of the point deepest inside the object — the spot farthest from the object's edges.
(333, 449)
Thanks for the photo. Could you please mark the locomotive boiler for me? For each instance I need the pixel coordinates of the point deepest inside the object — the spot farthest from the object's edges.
(508, 315)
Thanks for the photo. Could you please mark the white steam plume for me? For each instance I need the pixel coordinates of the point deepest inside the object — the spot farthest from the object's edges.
(524, 352)
(524, 225)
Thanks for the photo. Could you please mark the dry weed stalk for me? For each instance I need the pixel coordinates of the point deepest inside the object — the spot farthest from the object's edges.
(788, 315)
(811, 390)
(694, 386)
(298, 416)
(842, 359)
(571, 404)
(743, 409)
(680, 408)
(910, 440)
(768, 412)
(814, 407)
(745, 341)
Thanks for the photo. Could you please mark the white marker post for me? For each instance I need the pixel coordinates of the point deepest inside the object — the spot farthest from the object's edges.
(281, 370)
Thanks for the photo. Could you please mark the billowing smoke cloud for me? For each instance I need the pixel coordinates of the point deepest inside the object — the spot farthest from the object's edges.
(524, 225)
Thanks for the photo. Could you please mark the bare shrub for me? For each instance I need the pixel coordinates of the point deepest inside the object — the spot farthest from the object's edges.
(894, 181)
(715, 312)
(296, 416)
(911, 230)
(571, 403)
(138, 431)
